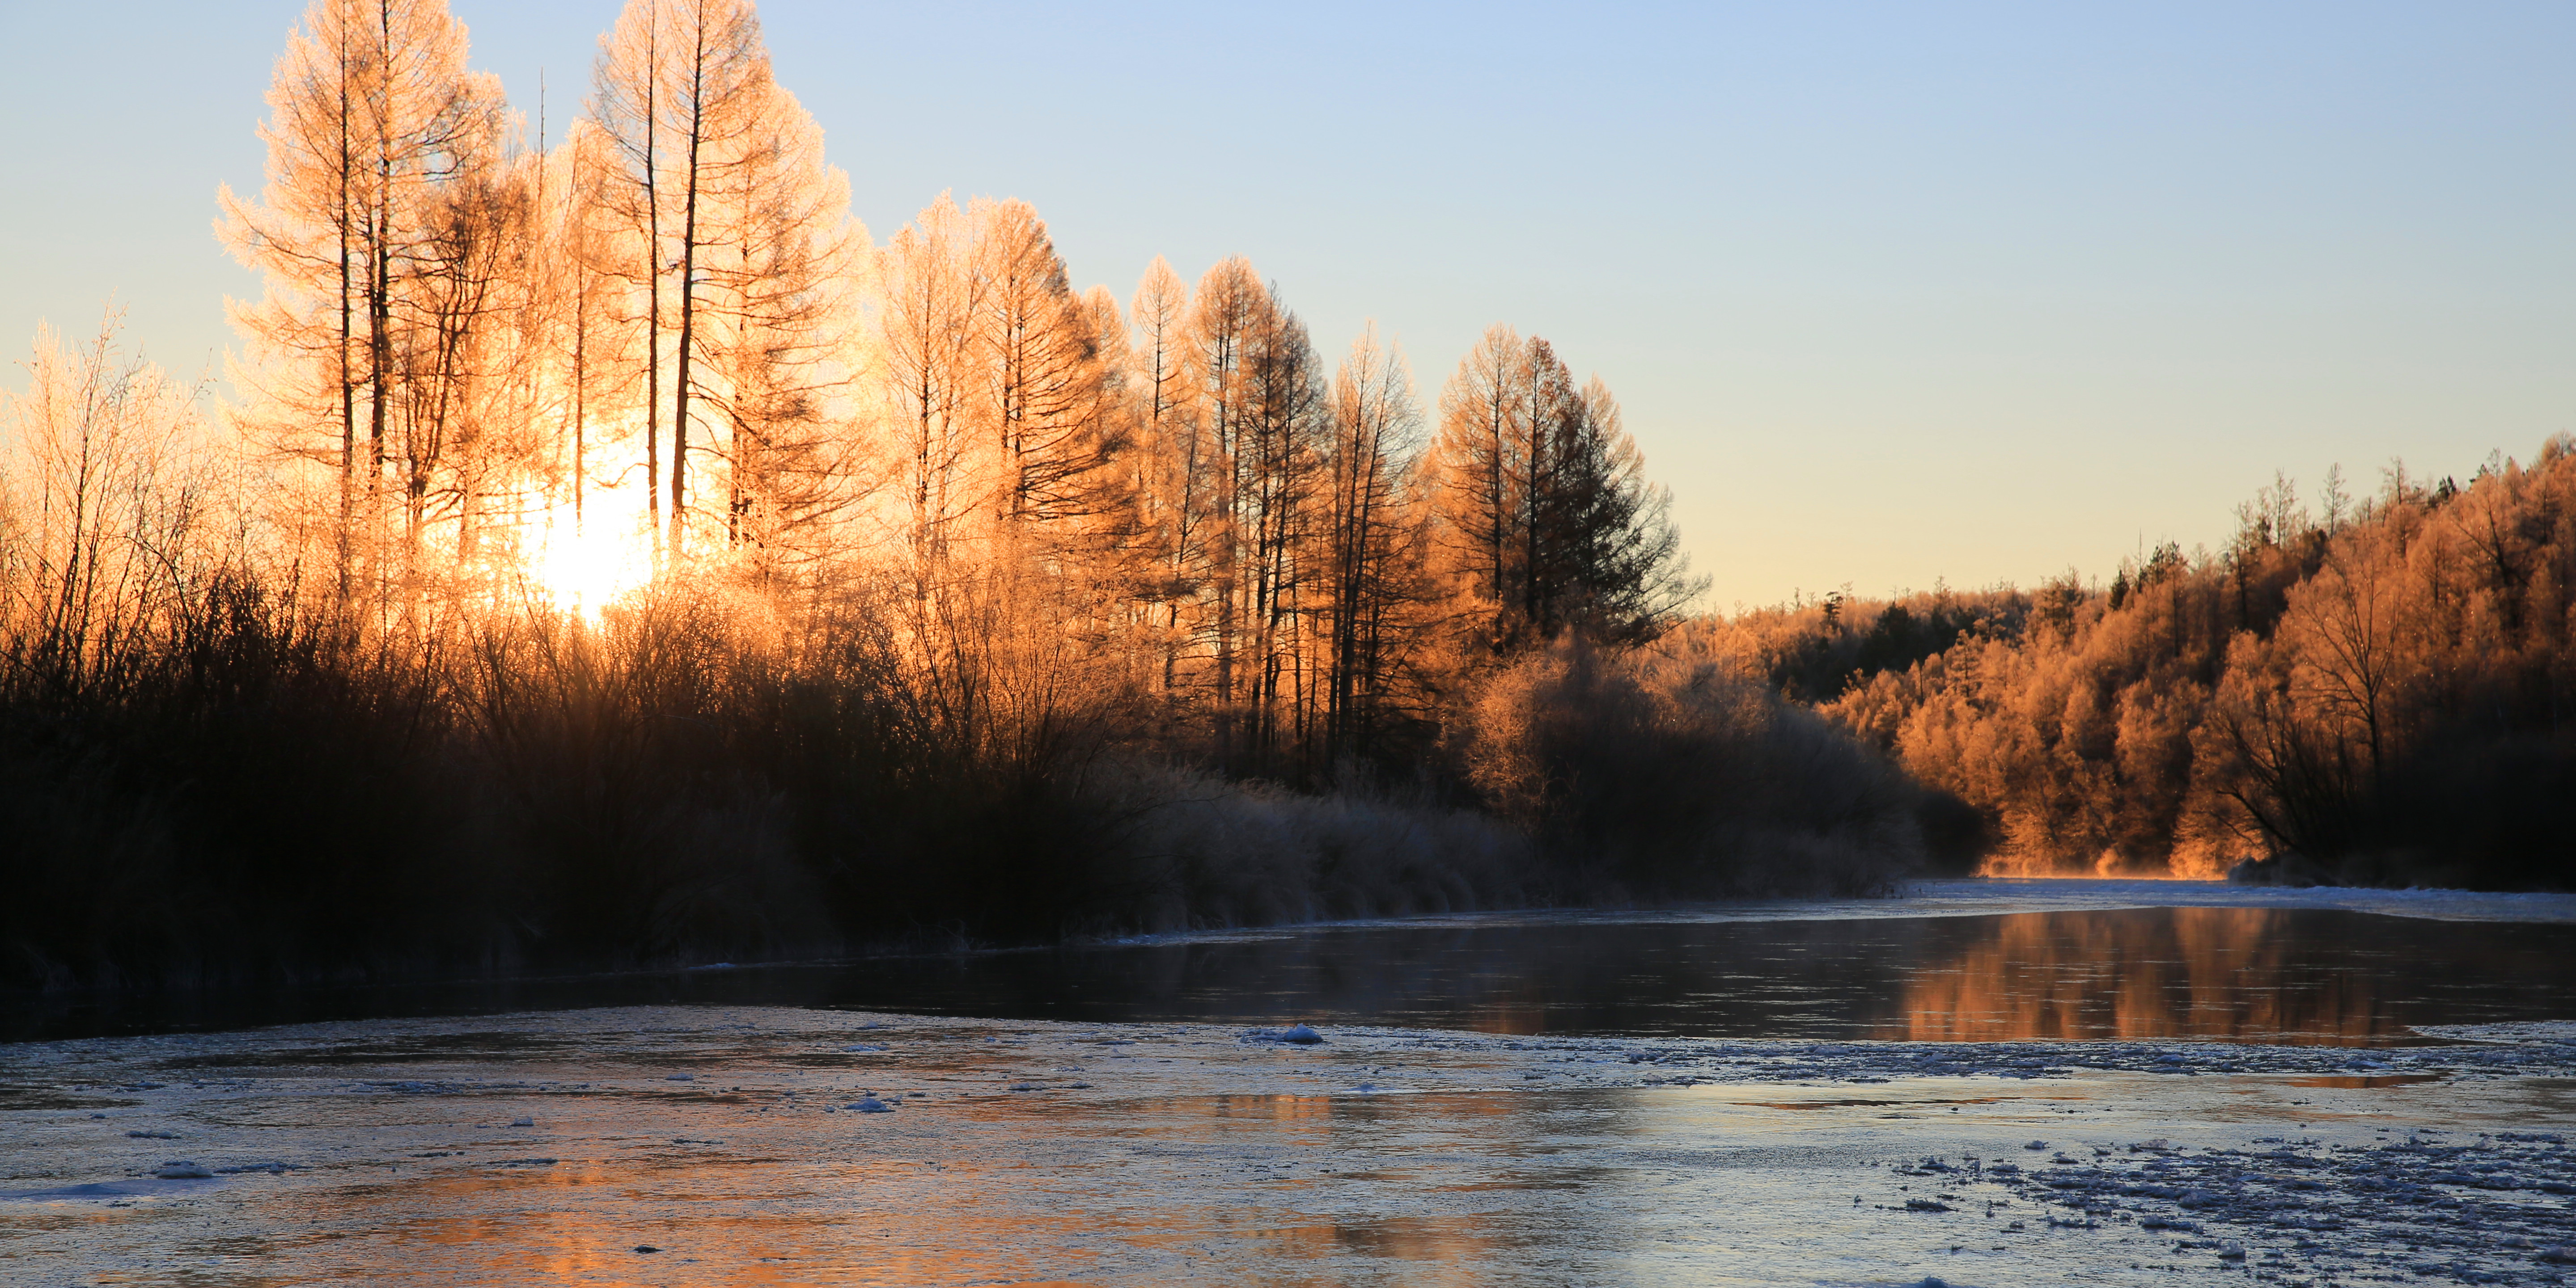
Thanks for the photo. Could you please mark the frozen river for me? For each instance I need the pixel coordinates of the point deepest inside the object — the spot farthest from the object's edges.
(2040, 1082)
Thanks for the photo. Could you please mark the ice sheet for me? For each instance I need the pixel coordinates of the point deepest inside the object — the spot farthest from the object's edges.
(387, 1151)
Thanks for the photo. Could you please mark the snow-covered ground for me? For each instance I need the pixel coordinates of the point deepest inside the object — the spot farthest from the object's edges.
(756, 1145)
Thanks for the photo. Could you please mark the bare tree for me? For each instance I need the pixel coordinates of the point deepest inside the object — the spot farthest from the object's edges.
(99, 492)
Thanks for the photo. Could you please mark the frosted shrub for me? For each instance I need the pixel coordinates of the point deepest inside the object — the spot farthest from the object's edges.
(1658, 773)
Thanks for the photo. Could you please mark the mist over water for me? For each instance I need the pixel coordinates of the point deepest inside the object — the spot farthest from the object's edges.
(2285, 975)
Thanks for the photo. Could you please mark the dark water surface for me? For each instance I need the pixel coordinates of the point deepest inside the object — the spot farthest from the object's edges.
(2232, 974)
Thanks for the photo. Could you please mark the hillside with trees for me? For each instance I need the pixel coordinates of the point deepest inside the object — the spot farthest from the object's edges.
(612, 553)
(2376, 692)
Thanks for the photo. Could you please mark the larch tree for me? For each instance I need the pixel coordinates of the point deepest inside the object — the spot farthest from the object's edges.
(625, 103)
(596, 334)
(372, 113)
(467, 346)
(1543, 513)
(1228, 311)
(683, 87)
(1477, 462)
(1044, 376)
(1106, 526)
(779, 307)
(928, 300)
(1281, 423)
(1370, 558)
(1172, 471)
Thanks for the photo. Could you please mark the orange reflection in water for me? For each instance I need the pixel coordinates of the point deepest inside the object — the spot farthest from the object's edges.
(2144, 973)
(1270, 1173)
(1437, 1249)
(728, 1222)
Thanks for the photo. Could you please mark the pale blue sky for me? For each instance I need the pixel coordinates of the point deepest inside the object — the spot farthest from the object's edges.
(1890, 292)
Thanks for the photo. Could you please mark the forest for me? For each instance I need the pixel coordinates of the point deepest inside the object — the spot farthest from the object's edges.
(612, 554)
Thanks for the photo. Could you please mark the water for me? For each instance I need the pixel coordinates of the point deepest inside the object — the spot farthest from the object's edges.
(557, 1147)
(1090, 1132)
(2293, 975)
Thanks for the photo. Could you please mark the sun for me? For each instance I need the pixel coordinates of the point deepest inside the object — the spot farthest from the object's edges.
(584, 568)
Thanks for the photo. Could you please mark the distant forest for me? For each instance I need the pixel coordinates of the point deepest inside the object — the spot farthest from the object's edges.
(614, 555)
(2377, 692)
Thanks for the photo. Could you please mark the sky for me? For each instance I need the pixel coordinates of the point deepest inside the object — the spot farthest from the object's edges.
(1892, 295)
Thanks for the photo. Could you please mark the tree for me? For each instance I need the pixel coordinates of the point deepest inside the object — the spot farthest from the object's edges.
(1227, 312)
(1263, 393)
(98, 496)
(1371, 560)
(1173, 475)
(1476, 462)
(1542, 508)
(683, 87)
(779, 316)
(372, 114)
(1611, 564)
(1284, 421)
(926, 340)
(595, 339)
(469, 346)
(1040, 364)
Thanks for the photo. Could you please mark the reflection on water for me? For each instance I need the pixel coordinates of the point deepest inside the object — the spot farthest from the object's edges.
(2235, 973)
(2239, 974)
(990, 1191)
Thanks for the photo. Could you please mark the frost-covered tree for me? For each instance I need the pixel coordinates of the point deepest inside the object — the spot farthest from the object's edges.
(1371, 558)
(373, 115)
(1172, 470)
(928, 300)
(1544, 520)
(724, 183)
